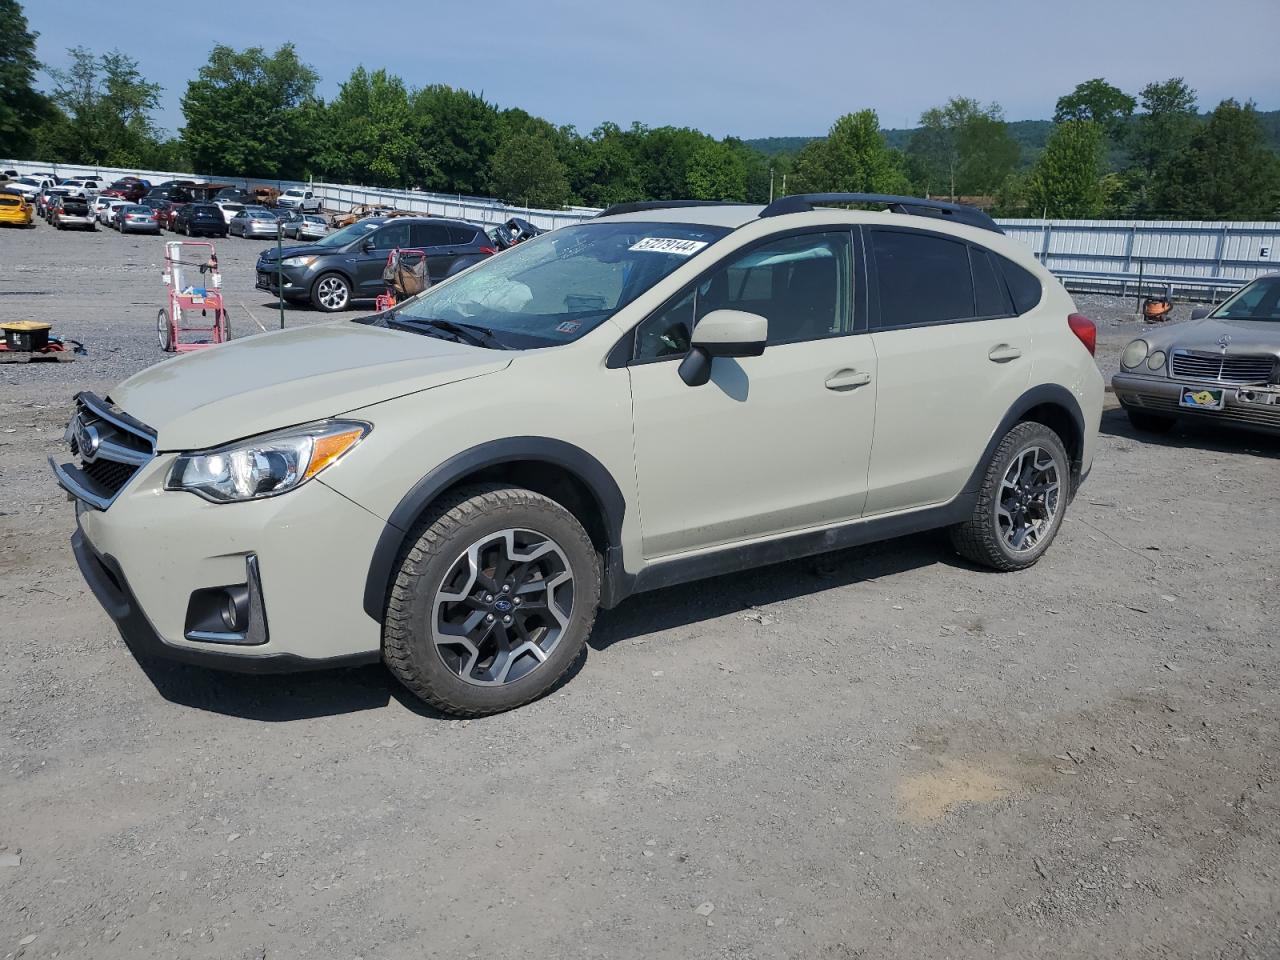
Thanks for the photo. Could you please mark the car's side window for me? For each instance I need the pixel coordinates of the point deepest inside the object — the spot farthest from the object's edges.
(391, 236)
(921, 278)
(990, 292)
(430, 235)
(803, 285)
(1024, 286)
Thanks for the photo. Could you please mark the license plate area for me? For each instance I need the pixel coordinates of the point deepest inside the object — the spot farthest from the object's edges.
(1202, 398)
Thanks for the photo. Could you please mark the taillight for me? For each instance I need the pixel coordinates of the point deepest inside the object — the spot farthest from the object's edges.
(1086, 330)
(489, 250)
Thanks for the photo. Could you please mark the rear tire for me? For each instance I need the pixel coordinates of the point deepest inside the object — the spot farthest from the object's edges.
(1150, 422)
(456, 631)
(1021, 502)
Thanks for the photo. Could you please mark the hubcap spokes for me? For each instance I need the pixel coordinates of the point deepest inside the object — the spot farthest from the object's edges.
(503, 607)
(1028, 501)
(332, 293)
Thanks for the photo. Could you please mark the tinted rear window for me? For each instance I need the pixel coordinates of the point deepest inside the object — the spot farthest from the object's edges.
(1023, 285)
(462, 234)
(922, 278)
(8, 200)
(989, 288)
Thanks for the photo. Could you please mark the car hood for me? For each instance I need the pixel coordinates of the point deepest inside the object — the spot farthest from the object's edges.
(279, 379)
(1247, 336)
(294, 250)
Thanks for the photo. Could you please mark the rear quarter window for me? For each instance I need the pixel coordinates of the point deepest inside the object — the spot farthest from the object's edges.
(1024, 286)
(461, 235)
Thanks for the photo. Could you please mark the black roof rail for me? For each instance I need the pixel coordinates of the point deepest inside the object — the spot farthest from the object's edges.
(916, 206)
(639, 206)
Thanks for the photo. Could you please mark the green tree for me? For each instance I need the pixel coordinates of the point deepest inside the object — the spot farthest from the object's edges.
(108, 105)
(457, 134)
(608, 167)
(1166, 124)
(1100, 102)
(1066, 180)
(1227, 171)
(22, 107)
(252, 113)
(853, 158)
(963, 148)
(716, 171)
(369, 131)
(526, 170)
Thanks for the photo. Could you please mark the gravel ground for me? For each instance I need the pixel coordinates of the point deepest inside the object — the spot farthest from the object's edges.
(901, 756)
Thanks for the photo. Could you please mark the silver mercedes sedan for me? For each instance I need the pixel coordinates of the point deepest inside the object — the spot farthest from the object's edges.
(1223, 364)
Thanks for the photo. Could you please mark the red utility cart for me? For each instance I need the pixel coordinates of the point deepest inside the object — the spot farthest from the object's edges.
(195, 309)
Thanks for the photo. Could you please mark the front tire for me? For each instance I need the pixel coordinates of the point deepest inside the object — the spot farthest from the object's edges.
(1150, 422)
(495, 597)
(1021, 503)
(331, 293)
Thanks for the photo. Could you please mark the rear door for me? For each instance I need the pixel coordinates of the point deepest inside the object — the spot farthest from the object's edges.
(434, 238)
(953, 358)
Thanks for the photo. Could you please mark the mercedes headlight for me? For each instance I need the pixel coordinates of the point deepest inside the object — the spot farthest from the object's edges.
(1134, 354)
(1156, 360)
(265, 466)
(296, 261)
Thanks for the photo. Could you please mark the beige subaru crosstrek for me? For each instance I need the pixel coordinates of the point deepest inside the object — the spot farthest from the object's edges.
(668, 392)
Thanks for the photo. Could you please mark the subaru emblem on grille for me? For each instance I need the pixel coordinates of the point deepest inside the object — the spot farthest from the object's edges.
(1224, 341)
(88, 440)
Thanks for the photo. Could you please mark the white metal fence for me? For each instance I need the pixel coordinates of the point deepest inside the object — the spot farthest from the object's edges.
(1186, 256)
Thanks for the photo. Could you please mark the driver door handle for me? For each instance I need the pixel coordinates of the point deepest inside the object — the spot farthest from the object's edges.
(1003, 353)
(847, 379)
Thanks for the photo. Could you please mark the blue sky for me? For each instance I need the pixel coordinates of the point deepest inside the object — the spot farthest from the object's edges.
(745, 68)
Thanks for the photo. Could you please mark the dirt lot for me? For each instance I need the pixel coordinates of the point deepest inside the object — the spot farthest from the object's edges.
(905, 757)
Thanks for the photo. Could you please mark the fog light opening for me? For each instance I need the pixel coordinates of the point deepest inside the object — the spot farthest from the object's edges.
(230, 612)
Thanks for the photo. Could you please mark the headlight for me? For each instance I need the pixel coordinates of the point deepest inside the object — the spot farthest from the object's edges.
(1156, 360)
(1134, 354)
(265, 466)
(296, 261)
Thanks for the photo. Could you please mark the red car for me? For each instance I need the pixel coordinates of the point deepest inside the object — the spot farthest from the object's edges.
(162, 210)
(128, 188)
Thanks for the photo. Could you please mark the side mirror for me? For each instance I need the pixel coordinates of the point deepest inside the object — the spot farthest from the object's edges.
(1199, 313)
(722, 333)
(367, 246)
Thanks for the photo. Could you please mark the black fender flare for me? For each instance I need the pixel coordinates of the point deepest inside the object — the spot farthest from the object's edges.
(576, 461)
(1044, 394)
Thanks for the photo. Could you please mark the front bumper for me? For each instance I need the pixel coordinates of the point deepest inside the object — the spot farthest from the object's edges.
(297, 284)
(153, 557)
(1253, 407)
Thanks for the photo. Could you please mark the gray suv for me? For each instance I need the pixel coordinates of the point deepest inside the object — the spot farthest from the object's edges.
(347, 265)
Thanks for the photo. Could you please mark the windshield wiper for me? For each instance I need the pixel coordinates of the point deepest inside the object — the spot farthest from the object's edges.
(462, 332)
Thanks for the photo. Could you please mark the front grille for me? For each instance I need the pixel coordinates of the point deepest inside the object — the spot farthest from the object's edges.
(110, 448)
(109, 475)
(1224, 367)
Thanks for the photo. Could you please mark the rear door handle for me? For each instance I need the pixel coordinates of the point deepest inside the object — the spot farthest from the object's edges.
(847, 379)
(1003, 353)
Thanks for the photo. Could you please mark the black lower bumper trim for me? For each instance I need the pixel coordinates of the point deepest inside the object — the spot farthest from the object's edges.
(107, 581)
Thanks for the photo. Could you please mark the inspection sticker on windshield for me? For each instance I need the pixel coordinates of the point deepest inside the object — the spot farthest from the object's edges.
(681, 248)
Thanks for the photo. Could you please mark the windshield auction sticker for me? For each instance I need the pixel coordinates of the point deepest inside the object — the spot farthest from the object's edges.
(681, 248)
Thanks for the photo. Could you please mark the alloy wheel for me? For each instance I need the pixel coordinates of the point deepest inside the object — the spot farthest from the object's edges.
(1030, 494)
(332, 293)
(503, 607)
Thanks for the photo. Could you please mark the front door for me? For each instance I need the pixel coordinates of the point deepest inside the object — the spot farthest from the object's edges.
(370, 263)
(773, 443)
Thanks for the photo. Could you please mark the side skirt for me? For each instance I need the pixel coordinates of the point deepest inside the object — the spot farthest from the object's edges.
(734, 558)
